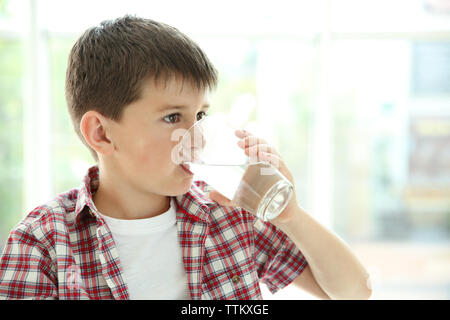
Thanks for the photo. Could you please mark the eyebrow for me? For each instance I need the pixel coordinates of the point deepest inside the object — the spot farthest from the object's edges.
(171, 107)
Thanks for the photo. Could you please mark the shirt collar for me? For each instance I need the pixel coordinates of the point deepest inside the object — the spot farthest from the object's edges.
(195, 202)
(85, 193)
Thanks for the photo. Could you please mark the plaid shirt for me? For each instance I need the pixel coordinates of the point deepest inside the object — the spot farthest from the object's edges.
(65, 250)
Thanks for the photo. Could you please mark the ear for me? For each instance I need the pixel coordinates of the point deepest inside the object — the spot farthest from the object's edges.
(95, 130)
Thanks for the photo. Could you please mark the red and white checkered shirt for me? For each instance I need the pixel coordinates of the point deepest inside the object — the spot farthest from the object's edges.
(65, 250)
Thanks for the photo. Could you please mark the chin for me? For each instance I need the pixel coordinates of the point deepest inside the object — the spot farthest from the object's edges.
(181, 187)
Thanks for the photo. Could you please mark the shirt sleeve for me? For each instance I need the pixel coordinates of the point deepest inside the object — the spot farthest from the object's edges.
(278, 260)
(25, 268)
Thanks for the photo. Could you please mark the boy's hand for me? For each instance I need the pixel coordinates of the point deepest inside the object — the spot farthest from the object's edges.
(258, 149)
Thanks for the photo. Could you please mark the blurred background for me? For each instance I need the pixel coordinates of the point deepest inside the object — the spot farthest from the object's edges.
(354, 94)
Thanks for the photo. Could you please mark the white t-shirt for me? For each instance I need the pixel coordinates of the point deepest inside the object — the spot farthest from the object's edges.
(151, 256)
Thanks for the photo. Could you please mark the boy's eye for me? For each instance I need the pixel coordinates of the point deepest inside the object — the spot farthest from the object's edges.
(204, 115)
(173, 118)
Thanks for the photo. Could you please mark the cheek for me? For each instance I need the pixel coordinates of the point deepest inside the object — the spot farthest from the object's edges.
(155, 155)
(149, 151)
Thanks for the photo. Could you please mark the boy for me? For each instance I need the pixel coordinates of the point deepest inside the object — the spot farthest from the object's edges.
(139, 227)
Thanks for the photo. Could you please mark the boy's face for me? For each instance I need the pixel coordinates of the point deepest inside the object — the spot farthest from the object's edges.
(143, 140)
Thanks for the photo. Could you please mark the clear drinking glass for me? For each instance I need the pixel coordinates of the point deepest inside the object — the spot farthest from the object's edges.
(209, 150)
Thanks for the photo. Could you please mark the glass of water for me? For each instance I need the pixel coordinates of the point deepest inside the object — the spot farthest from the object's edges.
(209, 150)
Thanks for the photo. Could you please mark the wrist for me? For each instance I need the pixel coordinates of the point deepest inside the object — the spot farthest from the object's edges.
(297, 227)
(290, 217)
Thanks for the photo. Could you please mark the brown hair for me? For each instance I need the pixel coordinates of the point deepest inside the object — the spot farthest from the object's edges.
(109, 63)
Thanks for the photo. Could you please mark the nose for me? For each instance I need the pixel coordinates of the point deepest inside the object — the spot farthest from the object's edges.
(193, 143)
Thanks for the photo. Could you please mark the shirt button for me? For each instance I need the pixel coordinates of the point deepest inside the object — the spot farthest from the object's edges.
(236, 279)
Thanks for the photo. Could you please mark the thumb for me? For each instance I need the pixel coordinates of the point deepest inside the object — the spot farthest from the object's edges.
(220, 198)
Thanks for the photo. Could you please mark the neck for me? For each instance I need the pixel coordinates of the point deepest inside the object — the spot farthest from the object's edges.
(126, 202)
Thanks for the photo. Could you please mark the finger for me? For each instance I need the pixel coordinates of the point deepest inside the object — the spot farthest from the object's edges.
(220, 198)
(255, 149)
(271, 158)
(242, 133)
(251, 141)
(262, 156)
